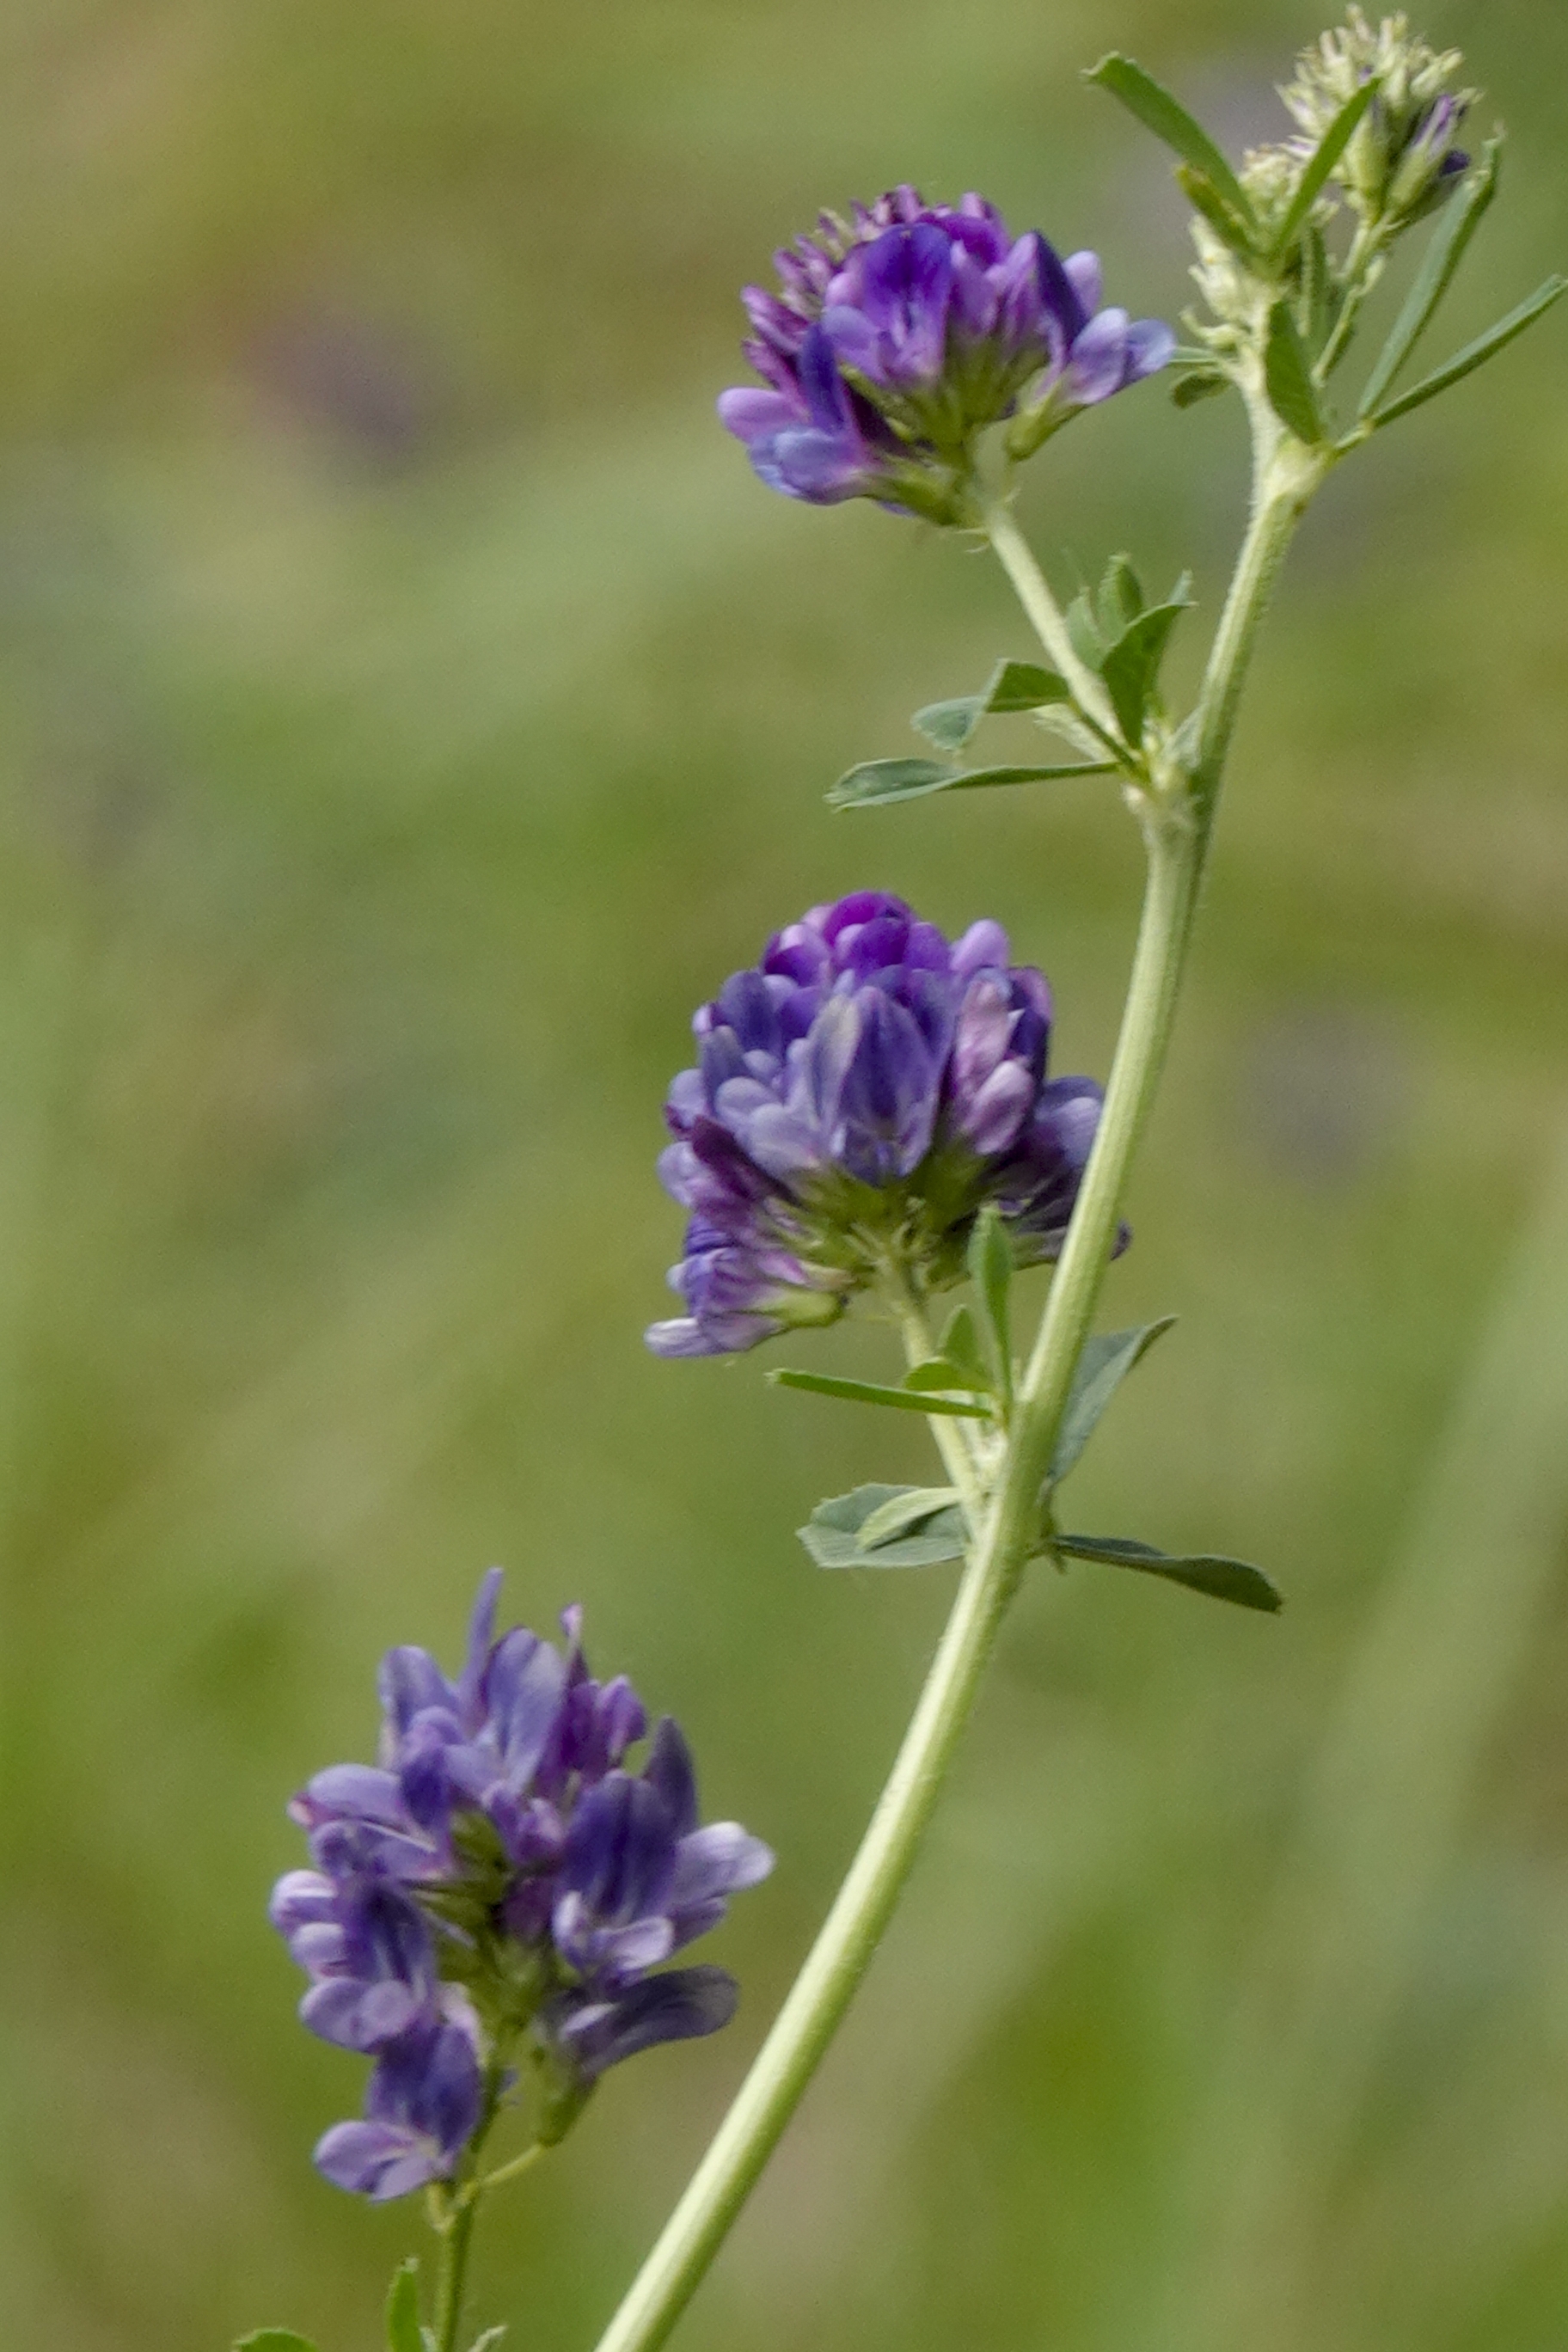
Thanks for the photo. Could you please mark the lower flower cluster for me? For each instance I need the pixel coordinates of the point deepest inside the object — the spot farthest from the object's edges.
(499, 1885)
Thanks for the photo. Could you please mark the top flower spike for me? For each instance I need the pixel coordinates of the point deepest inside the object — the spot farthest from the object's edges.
(903, 333)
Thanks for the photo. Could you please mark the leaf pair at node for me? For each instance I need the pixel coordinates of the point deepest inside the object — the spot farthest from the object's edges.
(1015, 689)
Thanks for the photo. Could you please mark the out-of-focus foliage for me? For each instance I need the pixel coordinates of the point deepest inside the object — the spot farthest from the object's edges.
(412, 707)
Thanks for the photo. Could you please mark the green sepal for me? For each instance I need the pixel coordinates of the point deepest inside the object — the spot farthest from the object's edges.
(1168, 121)
(1108, 1356)
(1314, 178)
(1287, 376)
(1201, 383)
(276, 2339)
(902, 1513)
(1221, 1578)
(403, 2333)
(871, 1392)
(991, 1271)
(1445, 251)
(831, 1535)
(1131, 666)
(878, 782)
(1475, 354)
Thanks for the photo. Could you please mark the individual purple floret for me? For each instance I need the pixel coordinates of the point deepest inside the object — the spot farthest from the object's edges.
(903, 331)
(501, 1882)
(861, 1093)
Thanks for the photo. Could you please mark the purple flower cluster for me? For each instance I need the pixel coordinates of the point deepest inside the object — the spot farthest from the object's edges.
(903, 333)
(498, 1874)
(862, 1093)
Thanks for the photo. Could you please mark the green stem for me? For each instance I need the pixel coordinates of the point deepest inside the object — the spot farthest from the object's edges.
(457, 2232)
(1177, 816)
(1033, 591)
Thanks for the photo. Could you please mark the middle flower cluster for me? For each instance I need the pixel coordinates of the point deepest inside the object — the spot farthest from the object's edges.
(862, 1092)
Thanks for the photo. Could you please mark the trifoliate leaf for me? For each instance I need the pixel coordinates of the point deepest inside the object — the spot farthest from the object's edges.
(1221, 1578)
(832, 1533)
(1108, 1356)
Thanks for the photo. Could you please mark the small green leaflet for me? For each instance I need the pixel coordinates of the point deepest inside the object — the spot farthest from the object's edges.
(1458, 223)
(870, 1392)
(1221, 1579)
(403, 2333)
(1226, 224)
(937, 1372)
(1289, 378)
(276, 2339)
(1108, 1356)
(960, 1346)
(1014, 686)
(901, 1512)
(1169, 119)
(1314, 178)
(876, 782)
(1203, 383)
(1474, 354)
(831, 1535)
(1120, 598)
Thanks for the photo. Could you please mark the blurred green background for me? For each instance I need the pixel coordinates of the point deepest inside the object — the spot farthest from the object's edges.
(412, 707)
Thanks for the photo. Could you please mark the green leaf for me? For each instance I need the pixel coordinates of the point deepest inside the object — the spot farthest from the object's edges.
(274, 2339)
(1203, 383)
(1460, 218)
(1221, 1579)
(1474, 354)
(1326, 154)
(1292, 394)
(1132, 667)
(832, 1534)
(900, 1514)
(1108, 1356)
(869, 1392)
(1121, 599)
(1169, 119)
(937, 1372)
(403, 2330)
(960, 1345)
(878, 782)
(991, 1270)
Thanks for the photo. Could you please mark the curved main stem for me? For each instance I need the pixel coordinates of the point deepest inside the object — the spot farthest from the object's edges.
(1176, 819)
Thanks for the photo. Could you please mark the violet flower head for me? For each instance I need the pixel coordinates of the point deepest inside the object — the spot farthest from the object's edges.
(501, 1888)
(862, 1093)
(899, 335)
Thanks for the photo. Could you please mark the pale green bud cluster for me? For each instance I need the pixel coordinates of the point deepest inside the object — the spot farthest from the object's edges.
(1402, 150)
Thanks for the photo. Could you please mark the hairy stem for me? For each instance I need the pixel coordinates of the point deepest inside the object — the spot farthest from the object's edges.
(1177, 814)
